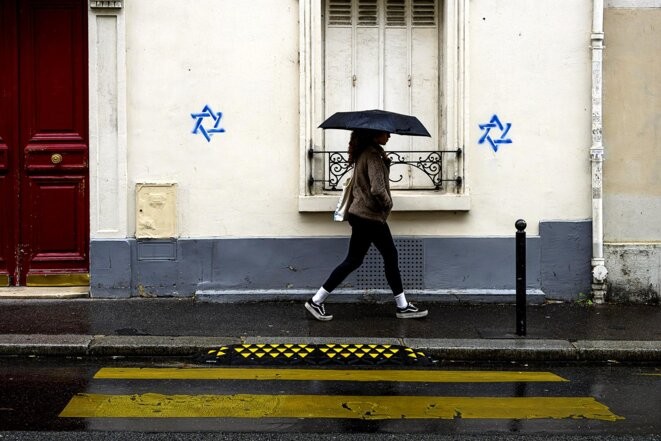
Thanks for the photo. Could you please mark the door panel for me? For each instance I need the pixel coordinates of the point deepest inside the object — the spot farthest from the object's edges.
(53, 71)
(6, 210)
(53, 136)
(8, 140)
(55, 204)
(44, 147)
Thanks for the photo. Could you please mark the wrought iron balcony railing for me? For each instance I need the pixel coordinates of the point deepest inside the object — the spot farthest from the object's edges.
(430, 163)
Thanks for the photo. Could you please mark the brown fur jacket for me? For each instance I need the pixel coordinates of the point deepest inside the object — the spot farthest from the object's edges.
(371, 185)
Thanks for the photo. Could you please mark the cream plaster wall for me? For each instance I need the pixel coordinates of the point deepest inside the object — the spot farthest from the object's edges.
(240, 58)
(632, 125)
(528, 64)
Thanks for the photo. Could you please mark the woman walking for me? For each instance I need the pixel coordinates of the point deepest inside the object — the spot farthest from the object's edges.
(368, 213)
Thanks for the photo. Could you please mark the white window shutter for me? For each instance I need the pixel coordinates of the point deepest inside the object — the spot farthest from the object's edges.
(339, 13)
(424, 77)
(424, 13)
(395, 12)
(397, 70)
(384, 53)
(368, 13)
(338, 68)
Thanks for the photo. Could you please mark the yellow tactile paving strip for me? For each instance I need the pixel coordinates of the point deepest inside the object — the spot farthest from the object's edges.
(369, 354)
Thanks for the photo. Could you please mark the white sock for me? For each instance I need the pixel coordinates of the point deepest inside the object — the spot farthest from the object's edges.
(400, 299)
(320, 296)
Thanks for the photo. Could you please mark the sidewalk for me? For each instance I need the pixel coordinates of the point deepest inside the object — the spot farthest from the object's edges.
(453, 331)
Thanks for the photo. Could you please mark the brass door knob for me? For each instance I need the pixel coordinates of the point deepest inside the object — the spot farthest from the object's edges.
(56, 158)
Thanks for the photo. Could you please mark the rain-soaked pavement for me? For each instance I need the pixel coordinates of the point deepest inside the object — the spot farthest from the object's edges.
(184, 395)
(178, 317)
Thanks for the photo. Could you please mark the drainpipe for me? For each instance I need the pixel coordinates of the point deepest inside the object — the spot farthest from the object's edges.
(599, 271)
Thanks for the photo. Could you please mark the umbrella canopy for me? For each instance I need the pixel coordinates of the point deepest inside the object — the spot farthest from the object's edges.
(380, 120)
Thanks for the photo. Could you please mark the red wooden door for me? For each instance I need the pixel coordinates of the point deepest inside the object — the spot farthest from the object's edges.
(44, 147)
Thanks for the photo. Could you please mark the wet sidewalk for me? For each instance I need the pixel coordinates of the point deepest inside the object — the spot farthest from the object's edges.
(179, 327)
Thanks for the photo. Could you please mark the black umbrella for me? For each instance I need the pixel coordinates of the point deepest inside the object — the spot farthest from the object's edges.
(380, 120)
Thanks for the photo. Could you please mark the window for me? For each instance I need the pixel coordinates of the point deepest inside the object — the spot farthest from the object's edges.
(385, 54)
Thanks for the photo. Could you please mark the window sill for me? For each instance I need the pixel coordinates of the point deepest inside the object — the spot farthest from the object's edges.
(402, 201)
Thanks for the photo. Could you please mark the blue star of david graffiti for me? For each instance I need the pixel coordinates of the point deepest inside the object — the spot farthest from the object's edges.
(495, 123)
(207, 112)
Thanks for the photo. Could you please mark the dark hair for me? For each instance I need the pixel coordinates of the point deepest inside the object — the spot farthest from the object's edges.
(359, 141)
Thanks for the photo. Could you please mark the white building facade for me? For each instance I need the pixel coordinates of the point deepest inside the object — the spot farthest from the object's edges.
(209, 174)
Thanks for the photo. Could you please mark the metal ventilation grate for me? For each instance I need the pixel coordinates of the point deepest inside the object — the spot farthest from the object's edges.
(411, 266)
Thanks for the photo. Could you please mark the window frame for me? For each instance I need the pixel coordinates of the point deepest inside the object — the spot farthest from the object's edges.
(453, 106)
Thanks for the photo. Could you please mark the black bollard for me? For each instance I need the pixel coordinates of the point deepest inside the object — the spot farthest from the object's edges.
(520, 277)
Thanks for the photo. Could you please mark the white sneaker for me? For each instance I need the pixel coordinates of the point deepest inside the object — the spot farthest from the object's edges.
(318, 311)
(410, 311)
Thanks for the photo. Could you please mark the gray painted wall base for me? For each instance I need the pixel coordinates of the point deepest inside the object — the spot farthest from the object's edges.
(558, 264)
(533, 297)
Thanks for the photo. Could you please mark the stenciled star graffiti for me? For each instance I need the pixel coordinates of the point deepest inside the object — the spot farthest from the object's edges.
(491, 130)
(207, 115)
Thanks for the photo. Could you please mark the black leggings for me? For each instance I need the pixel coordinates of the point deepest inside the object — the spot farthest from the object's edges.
(365, 232)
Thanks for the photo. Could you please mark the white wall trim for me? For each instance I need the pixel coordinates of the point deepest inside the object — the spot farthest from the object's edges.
(633, 3)
(455, 59)
(107, 123)
(310, 105)
(402, 201)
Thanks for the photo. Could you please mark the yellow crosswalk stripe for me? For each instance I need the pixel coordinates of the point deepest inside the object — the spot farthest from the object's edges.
(424, 376)
(332, 406)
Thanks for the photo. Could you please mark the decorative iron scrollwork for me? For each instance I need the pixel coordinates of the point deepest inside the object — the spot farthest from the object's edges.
(428, 162)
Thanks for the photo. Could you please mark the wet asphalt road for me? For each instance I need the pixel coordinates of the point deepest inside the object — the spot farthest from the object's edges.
(208, 436)
(185, 317)
(36, 390)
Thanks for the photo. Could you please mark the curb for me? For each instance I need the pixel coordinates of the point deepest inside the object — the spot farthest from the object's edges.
(443, 349)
